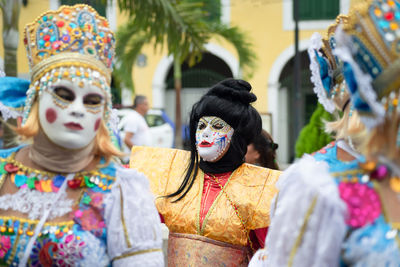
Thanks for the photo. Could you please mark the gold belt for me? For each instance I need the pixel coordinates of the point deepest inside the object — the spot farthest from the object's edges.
(195, 250)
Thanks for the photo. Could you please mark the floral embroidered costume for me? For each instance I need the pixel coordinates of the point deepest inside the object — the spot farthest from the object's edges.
(224, 212)
(95, 234)
(346, 213)
(63, 200)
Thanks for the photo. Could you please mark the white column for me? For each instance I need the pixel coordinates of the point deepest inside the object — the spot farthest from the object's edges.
(111, 13)
(226, 12)
(126, 97)
(158, 95)
(54, 4)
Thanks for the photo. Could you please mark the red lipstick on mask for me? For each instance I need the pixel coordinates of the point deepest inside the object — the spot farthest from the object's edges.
(73, 126)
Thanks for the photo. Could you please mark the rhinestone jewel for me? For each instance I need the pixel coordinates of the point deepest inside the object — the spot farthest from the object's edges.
(365, 178)
(391, 234)
(10, 168)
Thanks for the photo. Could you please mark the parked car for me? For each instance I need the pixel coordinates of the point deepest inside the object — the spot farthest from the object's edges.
(161, 127)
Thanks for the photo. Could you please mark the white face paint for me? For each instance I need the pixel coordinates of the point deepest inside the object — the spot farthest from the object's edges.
(213, 137)
(70, 114)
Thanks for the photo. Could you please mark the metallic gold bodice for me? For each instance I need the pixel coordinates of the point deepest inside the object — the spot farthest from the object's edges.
(250, 188)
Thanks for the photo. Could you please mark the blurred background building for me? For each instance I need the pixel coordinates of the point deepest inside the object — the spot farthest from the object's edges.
(269, 25)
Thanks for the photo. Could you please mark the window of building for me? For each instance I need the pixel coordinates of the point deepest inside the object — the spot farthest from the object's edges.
(97, 5)
(314, 14)
(318, 9)
(212, 8)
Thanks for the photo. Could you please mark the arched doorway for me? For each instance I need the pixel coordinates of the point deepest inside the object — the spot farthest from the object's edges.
(278, 99)
(307, 98)
(196, 80)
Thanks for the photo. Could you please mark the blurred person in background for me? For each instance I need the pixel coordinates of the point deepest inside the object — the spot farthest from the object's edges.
(262, 151)
(135, 126)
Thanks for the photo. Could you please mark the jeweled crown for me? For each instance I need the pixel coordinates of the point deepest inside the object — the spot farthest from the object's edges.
(374, 27)
(326, 69)
(370, 48)
(72, 36)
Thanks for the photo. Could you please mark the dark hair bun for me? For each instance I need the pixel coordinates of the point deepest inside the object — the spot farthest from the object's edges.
(233, 90)
(274, 146)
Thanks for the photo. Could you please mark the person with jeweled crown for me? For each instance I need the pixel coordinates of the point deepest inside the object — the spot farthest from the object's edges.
(64, 200)
(350, 216)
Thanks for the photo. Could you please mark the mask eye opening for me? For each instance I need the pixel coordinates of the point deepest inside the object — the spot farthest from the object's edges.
(93, 100)
(64, 93)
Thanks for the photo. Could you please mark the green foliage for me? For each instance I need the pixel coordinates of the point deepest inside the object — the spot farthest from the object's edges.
(240, 41)
(212, 9)
(130, 40)
(115, 89)
(181, 26)
(313, 137)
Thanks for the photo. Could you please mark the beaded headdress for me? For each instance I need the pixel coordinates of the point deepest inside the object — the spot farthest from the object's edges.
(326, 69)
(369, 44)
(73, 42)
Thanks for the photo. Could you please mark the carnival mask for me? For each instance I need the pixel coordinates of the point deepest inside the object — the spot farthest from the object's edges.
(213, 137)
(70, 113)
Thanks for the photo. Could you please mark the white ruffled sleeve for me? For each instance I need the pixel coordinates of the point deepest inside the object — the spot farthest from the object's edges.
(134, 235)
(307, 219)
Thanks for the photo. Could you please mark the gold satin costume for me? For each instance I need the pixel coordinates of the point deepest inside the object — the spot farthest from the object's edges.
(250, 188)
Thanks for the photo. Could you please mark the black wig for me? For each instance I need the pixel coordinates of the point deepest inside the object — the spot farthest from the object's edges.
(229, 100)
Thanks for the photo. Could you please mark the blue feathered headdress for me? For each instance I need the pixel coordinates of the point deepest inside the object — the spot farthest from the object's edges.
(12, 96)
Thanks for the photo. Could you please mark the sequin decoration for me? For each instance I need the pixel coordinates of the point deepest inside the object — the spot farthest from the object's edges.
(5, 245)
(362, 201)
(64, 252)
(24, 177)
(90, 213)
(386, 15)
(47, 34)
(325, 148)
(395, 184)
(69, 251)
(70, 29)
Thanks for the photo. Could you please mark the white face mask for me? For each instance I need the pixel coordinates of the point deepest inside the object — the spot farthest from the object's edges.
(213, 137)
(70, 115)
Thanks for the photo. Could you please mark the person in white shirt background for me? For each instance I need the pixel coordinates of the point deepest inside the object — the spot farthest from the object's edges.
(135, 126)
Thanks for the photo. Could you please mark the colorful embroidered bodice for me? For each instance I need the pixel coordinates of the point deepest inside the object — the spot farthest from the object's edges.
(80, 241)
(329, 155)
(370, 239)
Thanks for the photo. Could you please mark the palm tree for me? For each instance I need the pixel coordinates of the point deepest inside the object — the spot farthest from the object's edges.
(185, 33)
(10, 11)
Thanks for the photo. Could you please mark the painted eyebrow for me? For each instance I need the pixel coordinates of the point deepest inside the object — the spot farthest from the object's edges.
(215, 120)
(203, 120)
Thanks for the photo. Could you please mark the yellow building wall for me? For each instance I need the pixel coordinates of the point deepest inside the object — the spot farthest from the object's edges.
(263, 22)
(28, 14)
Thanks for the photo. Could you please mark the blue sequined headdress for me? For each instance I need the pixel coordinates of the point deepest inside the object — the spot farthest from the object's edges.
(326, 70)
(369, 44)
